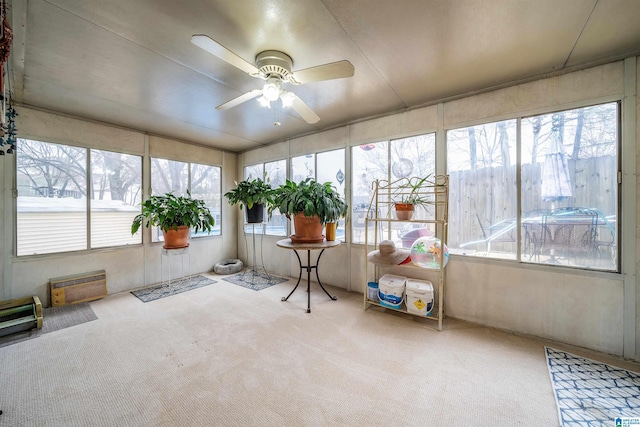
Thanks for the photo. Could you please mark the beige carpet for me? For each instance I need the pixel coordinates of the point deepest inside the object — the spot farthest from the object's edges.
(223, 355)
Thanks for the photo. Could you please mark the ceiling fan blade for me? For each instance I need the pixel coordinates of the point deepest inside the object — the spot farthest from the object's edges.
(239, 100)
(215, 48)
(334, 70)
(303, 110)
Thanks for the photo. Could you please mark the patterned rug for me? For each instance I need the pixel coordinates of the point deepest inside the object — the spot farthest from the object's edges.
(175, 287)
(590, 393)
(254, 280)
(54, 319)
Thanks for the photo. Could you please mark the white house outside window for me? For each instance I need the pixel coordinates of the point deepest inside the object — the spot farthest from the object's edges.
(53, 188)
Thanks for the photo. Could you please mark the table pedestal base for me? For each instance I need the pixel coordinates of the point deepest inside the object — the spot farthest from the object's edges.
(309, 267)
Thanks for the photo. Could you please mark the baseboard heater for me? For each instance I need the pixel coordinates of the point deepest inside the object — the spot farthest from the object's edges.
(78, 288)
(22, 314)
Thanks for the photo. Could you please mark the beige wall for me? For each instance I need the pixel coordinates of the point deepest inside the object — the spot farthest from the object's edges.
(582, 308)
(127, 267)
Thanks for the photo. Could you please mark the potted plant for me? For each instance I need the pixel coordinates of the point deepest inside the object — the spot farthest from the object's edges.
(311, 205)
(336, 209)
(408, 196)
(175, 216)
(255, 194)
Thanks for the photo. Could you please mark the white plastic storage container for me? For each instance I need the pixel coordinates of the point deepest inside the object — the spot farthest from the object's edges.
(391, 290)
(419, 298)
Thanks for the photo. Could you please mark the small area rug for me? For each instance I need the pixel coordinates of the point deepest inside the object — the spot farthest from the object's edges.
(54, 319)
(175, 287)
(254, 280)
(590, 393)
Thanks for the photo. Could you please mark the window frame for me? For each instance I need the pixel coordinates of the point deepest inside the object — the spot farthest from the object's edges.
(88, 182)
(433, 134)
(155, 235)
(518, 179)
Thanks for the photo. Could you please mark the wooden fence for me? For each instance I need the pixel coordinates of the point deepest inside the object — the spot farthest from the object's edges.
(488, 196)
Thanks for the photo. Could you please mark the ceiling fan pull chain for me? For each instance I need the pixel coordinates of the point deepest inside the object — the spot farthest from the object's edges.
(276, 122)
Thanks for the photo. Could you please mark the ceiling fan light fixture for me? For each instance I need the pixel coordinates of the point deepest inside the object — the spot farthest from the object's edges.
(264, 102)
(271, 89)
(287, 99)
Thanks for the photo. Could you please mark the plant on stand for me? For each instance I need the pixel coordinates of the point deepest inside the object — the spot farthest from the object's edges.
(311, 205)
(175, 216)
(408, 196)
(255, 194)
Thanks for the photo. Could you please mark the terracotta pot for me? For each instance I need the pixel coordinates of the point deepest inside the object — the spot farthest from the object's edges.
(330, 231)
(176, 239)
(308, 229)
(404, 211)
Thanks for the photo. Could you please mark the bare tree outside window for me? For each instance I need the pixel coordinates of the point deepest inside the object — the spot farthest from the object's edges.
(483, 192)
(568, 188)
(51, 181)
(116, 182)
(203, 181)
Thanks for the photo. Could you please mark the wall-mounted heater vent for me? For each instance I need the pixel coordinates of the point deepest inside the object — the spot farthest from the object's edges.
(78, 288)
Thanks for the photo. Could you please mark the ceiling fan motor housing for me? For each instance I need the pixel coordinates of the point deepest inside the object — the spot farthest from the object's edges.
(274, 63)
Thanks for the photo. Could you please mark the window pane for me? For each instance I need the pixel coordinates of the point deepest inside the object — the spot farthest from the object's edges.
(253, 172)
(206, 185)
(413, 157)
(331, 169)
(481, 162)
(167, 176)
(116, 180)
(569, 187)
(303, 167)
(370, 162)
(400, 158)
(276, 174)
(52, 205)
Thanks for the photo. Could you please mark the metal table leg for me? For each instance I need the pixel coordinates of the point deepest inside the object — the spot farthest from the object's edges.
(309, 267)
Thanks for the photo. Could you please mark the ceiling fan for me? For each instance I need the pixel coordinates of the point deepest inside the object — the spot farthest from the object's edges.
(276, 68)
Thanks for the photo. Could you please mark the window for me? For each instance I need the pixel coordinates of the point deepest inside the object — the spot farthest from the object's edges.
(399, 158)
(52, 209)
(206, 184)
(568, 195)
(331, 169)
(324, 167)
(275, 173)
(116, 183)
(303, 167)
(570, 188)
(482, 189)
(203, 181)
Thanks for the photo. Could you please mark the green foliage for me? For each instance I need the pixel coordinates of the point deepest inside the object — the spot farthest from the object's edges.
(409, 192)
(171, 211)
(251, 192)
(311, 198)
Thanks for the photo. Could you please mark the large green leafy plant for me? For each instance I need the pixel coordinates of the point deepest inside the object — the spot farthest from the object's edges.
(409, 192)
(171, 211)
(311, 198)
(250, 192)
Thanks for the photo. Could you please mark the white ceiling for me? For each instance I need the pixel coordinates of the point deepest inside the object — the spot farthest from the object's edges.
(131, 63)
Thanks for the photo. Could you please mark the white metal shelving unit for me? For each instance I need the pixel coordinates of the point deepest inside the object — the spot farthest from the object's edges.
(435, 191)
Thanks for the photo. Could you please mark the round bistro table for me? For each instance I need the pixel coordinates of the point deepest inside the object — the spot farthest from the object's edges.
(295, 247)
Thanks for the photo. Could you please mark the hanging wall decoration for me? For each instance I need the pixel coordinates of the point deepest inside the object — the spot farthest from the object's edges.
(8, 115)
